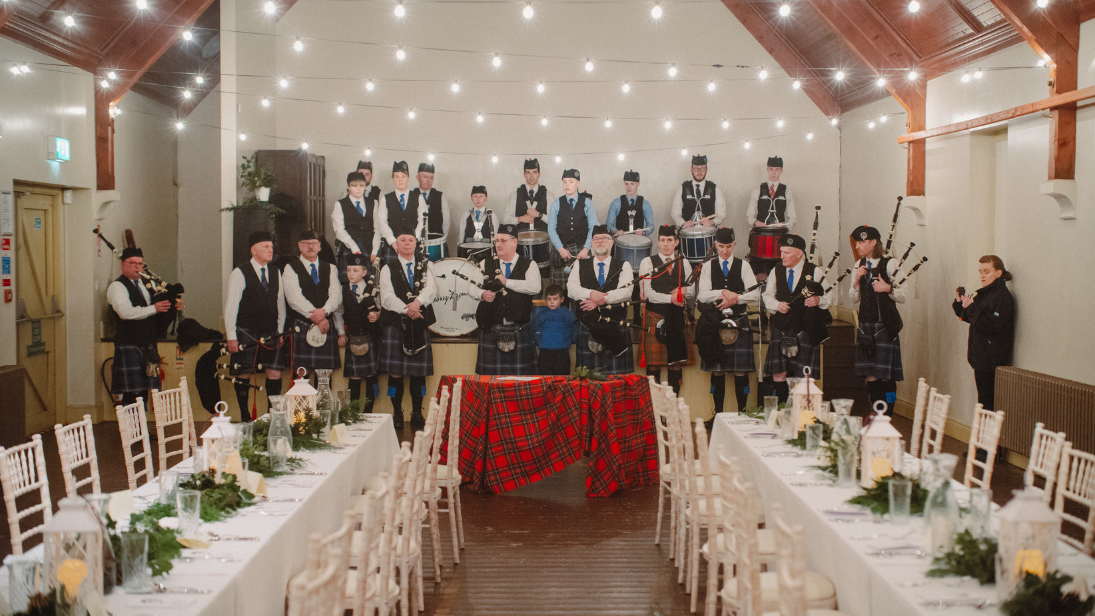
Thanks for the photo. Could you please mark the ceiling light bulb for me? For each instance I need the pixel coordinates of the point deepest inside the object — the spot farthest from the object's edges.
(620, 156)
(711, 86)
(117, 111)
(913, 75)
(340, 109)
(747, 145)
(1042, 3)
(271, 8)
(672, 71)
(178, 125)
(243, 136)
(265, 102)
(104, 83)
(608, 123)
(809, 136)
(785, 10)
(186, 93)
(24, 69)
(796, 84)
(978, 74)
(304, 146)
(870, 124)
(840, 75)
(70, 21)
(497, 61)
(684, 151)
(725, 124)
(298, 45)
(1041, 62)
(965, 77)
(493, 159)
(369, 85)
(284, 82)
(589, 66)
(656, 12)
(763, 74)
(882, 118)
(558, 159)
(479, 118)
(410, 115)
(199, 79)
(543, 121)
(626, 87)
(668, 125)
(455, 87)
(540, 88)
(142, 4)
(914, 6)
(368, 152)
(399, 10)
(779, 123)
(881, 82)
(112, 75)
(400, 54)
(187, 35)
(528, 12)
(430, 158)
(834, 122)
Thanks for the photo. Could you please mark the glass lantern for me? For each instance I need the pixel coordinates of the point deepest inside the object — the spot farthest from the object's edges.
(73, 542)
(806, 401)
(880, 452)
(217, 440)
(1028, 540)
(302, 398)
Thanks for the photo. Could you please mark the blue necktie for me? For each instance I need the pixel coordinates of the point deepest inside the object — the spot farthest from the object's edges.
(353, 289)
(868, 263)
(262, 279)
(571, 201)
(601, 274)
(476, 215)
(791, 279)
(315, 274)
(725, 269)
(632, 203)
(507, 270)
(137, 283)
(402, 201)
(410, 275)
(357, 204)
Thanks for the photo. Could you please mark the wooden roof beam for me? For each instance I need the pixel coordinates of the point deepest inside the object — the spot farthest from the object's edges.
(7, 9)
(968, 17)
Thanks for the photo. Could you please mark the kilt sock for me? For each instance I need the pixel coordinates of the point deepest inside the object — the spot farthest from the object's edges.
(782, 391)
(372, 392)
(355, 390)
(718, 390)
(656, 373)
(129, 397)
(875, 393)
(418, 393)
(273, 387)
(741, 390)
(395, 392)
(243, 392)
(889, 395)
(675, 380)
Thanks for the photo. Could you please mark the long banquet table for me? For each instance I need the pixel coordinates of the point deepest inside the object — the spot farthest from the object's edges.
(254, 581)
(518, 430)
(865, 585)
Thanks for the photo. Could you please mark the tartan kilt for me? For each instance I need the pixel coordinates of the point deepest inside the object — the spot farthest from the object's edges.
(128, 372)
(775, 362)
(558, 276)
(738, 357)
(366, 365)
(886, 364)
(395, 362)
(313, 358)
(605, 360)
(655, 352)
(520, 361)
(270, 359)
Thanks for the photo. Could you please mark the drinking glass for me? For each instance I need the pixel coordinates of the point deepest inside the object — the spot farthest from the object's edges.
(246, 430)
(845, 464)
(342, 399)
(979, 522)
(24, 575)
(771, 404)
(279, 450)
(200, 463)
(813, 436)
(900, 499)
(169, 482)
(823, 412)
(325, 417)
(842, 406)
(787, 426)
(189, 512)
(136, 577)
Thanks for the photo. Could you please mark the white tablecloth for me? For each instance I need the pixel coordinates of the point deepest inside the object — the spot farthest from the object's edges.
(256, 583)
(890, 586)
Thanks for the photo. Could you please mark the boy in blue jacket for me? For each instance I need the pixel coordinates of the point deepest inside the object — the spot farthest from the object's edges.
(555, 328)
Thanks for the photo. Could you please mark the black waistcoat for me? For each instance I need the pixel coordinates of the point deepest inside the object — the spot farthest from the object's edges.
(136, 332)
(622, 218)
(731, 282)
(469, 229)
(355, 314)
(406, 292)
(316, 294)
(878, 307)
(359, 227)
(517, 307)
(539, 203)
(668, 281)
(776, 208)
(402, 220)
(794, 320)
(587, 276)
(689, 203)
(435, 216)
(258, 309)
(572, 224)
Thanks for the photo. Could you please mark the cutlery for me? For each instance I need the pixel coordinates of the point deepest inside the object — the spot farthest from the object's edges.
(213, 537)
(180, 590)
(308, 473)
(943, 604)
(283, 500)
(787, 454)
(194, 559)
(891, 553)
(812, 484)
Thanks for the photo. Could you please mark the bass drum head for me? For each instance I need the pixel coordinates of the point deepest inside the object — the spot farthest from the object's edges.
(455, 305)
(532, 237)
(630, 240)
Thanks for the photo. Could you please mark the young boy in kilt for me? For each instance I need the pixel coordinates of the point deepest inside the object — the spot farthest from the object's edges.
(799, 310)
(312, 294)
(727, 285)
(358, 328)
(666, 293)
(510, 282)
(878, 348)
(555, 328)
(601, 285)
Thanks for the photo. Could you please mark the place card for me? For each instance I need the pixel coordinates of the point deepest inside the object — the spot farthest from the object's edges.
(339, 435)
(254, 483)
(193, 543)
(121, 505)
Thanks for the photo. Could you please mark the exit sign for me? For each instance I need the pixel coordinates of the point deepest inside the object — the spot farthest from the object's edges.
(58, 149)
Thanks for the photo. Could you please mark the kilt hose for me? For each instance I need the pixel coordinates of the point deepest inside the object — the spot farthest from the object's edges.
(776, 362)
(886, 363)
(243, 362)
(128, 372)
(394, 361)
(520, 361)
(605, 360)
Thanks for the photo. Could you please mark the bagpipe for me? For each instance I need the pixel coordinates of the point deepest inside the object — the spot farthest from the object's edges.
(358, 343)
(414, 330)
(160, 289)
(207, 374)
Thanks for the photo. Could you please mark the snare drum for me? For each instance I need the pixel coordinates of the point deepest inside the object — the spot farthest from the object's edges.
(436, 248)
(633, 248)
(764, 242)
(457, 299)
(696, 243)
(535, 246)
(466, 249)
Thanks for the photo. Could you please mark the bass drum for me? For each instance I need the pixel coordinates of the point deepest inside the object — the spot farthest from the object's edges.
(697, 242)
(457, 299)
(764, 242)
(633, 248)
(536, 246)
(476, 251)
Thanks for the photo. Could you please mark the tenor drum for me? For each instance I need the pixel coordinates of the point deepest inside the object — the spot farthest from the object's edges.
(476, 251)
(697, 242)
(764, 242)
(536, 246)
(633, 248)
(456, 301)
(435, 247)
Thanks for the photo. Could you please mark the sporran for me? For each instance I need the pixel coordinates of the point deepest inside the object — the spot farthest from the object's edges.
(358, 345)
(506, 337)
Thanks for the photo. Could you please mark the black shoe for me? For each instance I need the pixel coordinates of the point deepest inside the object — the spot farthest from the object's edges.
(397, 420)
(417, 420)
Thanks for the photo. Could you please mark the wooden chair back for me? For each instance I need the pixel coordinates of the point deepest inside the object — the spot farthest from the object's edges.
(660, 403)
(22, 471)
(1076, 490)
(76, 446)
(791, 569)
(452, 454)
(985, 436)
(133, 426)
(918, 417)
(935, 423)
(171, 408)
(1045, 457)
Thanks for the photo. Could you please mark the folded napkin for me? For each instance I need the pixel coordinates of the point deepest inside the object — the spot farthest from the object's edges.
(194, 543)
(339, 435)
(121, 506)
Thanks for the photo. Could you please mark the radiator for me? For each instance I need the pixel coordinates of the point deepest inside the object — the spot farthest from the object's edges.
(1029, 397)
(12, 412)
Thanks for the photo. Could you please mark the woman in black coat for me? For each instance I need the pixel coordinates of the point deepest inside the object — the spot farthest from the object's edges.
(990, 311)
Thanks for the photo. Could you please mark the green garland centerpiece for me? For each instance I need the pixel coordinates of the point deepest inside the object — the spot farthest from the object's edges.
(877, 499)
(53, 603)
(972, 556)
(1037, 597)
(219, 500)
(163, 545)
(800, 440)
(584, 372)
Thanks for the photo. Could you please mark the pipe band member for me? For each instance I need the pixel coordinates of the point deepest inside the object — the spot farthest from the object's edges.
(357, 321)
(700, 201)
(353, 217)
(136, 368)
(506, 343)
(403, 211)
(726, 287)
(771, 206)
(630, 212)
(437, 207)
(407, 290)
(601, 286)
(570, 222)
(990, 312)
(878, 348)
(527, 206)
(799, 307)
(254, 309)
(666, 342)
(312, 294)
(477, 225)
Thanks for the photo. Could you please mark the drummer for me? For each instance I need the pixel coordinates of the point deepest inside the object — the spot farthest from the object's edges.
(601, 286)
(666, 294)
(437, 208)
(700, 202)
(505, 338)
(570, 225)
(630, 212)
(527, 206)
(401, 212)
(770, 206)
(353, 217)
(478, 225)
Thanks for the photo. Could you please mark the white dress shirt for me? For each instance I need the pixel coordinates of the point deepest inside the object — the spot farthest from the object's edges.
(338, 222)
(617, 295)
(789, 213)
(295, 299)
(388, 299)
(646, 266)
(678, 204)
(509, 215)
(236, 285)
(118, 296)
(381, 221)
(897, 294)
(531, 285)
(470, 215)
(770, 301)
(709, 295)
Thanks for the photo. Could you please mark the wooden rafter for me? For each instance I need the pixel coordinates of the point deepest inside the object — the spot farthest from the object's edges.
(966, 16)
(7, 9)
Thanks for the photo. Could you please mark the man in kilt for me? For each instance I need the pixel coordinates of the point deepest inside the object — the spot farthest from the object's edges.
(254, 309)
(357, 322)
(727, 285)
(800, 314)
(878, 348)
(407, 288)
(601, 285)
(667, 292)
(312, 294)
(570, 223)
(136, 360)
(505, 338)
(402, 210)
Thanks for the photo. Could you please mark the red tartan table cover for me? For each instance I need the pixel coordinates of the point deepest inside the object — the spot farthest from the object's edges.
(515, 432)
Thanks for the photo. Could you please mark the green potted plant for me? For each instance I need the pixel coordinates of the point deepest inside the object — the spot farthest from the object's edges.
(256, 178)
